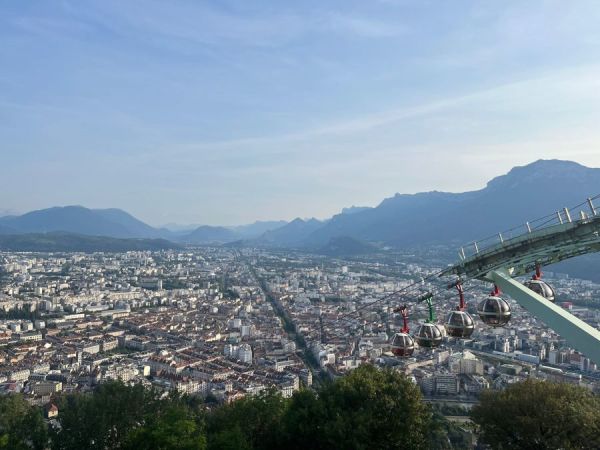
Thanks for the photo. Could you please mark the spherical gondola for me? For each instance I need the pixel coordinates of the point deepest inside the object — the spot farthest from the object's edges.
(494, 310)
(403, 343)
(541, 287)
(460, 323)
(429, 335)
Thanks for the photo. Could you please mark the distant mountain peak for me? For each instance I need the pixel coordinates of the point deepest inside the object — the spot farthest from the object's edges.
(292, 232)
(354, 209)
(550, 166)
(541, 170)
(522, 194)
(112, 210)
(81, 220)
(65, 207)
(554, 162)
(299, 220)
(208, 233)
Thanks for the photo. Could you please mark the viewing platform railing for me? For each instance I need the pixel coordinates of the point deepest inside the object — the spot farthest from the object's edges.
(555, 221)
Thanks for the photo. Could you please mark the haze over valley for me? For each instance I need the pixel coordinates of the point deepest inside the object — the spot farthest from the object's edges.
(265, 225)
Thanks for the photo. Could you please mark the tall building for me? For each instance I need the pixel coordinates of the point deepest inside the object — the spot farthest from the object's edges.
(446, 384)
(245, 353)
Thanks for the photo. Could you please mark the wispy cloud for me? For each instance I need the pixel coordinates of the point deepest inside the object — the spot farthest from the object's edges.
(259, 109)
(364, 27)
(580, 81)
(201, 23)
(50, 25)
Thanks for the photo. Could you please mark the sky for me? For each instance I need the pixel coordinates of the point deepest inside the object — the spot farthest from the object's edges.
(227, 112)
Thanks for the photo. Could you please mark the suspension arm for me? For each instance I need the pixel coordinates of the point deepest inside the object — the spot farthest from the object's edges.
(577, 333)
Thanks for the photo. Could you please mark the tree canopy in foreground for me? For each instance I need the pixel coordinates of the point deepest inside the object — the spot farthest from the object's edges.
(539, 415)
(367, 409)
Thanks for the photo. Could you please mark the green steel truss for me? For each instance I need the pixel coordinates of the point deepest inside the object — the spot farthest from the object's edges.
(520, 255)
(508, 258)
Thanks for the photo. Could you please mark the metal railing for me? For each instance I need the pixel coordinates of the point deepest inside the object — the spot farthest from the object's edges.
(481, 246)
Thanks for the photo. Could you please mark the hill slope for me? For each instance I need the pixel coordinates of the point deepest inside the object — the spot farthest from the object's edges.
(75, 219)
(80, 220)
(291, 234)
(205, 234)
(346, 246)
(257, 228)
(117, 223)
(133, 225)
(70, 242)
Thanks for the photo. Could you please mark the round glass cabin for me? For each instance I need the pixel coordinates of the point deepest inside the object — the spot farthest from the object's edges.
(428, 335)
(494, 311)
(460, 324)
(403, 344)
(542, 288)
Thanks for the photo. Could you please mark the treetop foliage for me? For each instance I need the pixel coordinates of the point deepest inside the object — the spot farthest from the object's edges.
(367, 409)
(539, 415)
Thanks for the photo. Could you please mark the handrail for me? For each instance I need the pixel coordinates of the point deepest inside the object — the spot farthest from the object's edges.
(484, 245)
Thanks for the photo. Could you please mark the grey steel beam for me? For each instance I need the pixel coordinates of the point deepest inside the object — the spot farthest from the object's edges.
(580, 335)
(521, 254)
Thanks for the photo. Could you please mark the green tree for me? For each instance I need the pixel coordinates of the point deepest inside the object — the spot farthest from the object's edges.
(369, 408)
(539, 415)
(254, 421)
(304, 421)
(21, 426)
(176, 428)
(444, 435)
(230, 439)
(104, 419)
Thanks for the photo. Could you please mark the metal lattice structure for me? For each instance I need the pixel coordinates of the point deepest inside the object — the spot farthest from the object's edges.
(553, 241)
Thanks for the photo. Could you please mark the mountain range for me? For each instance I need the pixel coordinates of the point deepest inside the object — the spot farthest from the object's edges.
(58, 241)
(116, 223)
(77, 219)
(403, 220)
(523, 194)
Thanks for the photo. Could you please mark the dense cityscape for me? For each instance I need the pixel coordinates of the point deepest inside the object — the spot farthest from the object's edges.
(233, 225)
(224, 323)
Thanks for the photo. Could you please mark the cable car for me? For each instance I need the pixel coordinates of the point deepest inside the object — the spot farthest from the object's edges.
(429, 334)
(494, 310)
(403, 343)
(540, 287)
(459, 323)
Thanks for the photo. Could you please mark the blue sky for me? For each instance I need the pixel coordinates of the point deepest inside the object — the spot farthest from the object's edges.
(231, 111)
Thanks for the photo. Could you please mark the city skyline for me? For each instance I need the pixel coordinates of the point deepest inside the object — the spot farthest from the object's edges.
(265, 225)
(224, 113)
